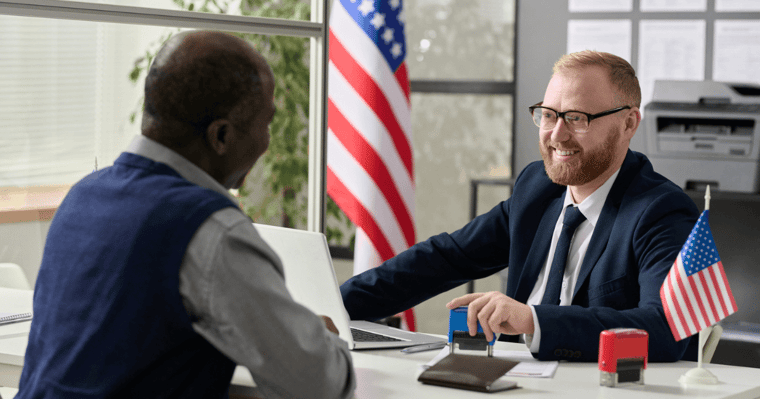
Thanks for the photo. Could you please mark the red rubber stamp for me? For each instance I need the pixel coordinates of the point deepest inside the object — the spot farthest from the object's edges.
(622, 356)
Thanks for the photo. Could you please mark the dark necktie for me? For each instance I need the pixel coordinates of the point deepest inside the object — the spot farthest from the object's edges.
(573, 218)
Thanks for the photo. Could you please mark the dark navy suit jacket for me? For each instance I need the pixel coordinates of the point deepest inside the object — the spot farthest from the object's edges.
(645, 221)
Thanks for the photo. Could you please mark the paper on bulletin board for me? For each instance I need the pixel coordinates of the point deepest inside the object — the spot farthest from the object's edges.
(611, 36)
(673, 5)
(736, 51)
(600, 5)
(737, 5)
(670, 49)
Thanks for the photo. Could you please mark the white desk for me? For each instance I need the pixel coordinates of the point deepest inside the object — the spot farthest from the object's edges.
(13, 337)
(389, 374)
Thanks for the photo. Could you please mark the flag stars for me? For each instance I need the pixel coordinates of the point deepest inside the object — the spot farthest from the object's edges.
(395, 4)
(396, 50)
(401, 17)
(388, 35)
(366, 7)
(378, 21)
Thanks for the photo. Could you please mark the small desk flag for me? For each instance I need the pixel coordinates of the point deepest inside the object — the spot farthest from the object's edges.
(696, 294)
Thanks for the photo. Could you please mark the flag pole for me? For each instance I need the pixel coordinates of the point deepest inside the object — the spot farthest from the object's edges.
(700, 375)
(706, 331)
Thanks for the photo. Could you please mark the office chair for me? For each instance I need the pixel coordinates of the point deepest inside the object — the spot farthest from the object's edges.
(11, 276)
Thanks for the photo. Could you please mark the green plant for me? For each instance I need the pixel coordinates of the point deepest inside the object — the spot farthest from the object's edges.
(284, 166)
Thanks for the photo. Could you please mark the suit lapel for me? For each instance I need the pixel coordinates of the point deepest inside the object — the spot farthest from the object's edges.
(539, 250)
(606, 220)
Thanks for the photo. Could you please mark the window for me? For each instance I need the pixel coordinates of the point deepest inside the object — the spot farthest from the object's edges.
(68, 103)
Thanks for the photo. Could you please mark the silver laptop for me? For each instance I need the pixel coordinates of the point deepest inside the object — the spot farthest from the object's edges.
(310, 278)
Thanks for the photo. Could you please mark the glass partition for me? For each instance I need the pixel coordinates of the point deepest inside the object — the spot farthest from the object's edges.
(72, 99)
(461, 40)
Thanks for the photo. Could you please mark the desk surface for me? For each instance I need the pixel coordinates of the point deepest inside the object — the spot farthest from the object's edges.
(13, 336)
(390, 374)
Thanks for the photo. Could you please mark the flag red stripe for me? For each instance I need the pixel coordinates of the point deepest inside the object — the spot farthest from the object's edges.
(368, 158)
(409, 315)
(682, 286)
(715, 277)
(402, 76)
(710, 298)
(373, 95)
(358, 214)
(728, 288)
(664, 293)
(679, 312)
(695, 284)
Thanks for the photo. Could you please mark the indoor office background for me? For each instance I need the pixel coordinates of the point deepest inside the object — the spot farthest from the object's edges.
(67, 101)
(475, 67)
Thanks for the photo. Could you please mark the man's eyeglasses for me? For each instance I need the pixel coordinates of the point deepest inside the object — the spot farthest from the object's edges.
(546, 118)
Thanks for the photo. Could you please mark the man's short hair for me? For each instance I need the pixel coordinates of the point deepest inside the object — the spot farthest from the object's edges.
(621, 73)
(188, 92)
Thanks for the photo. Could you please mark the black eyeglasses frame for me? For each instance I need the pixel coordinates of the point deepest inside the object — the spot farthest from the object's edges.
(590, 117)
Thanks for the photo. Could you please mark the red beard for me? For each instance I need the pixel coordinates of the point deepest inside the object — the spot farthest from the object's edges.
(588, 165)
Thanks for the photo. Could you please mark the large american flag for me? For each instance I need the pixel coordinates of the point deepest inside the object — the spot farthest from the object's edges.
(696, 294)
(369, 147)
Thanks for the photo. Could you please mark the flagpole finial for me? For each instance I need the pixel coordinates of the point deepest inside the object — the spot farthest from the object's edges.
(707, 197)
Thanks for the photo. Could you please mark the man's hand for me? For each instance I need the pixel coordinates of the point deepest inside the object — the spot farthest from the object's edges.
(496, 312)
(330, 325)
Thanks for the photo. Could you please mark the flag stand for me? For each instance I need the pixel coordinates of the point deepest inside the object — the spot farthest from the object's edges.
(700, 375)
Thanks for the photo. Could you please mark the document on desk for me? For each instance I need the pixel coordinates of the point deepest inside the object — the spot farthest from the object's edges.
(528, 366)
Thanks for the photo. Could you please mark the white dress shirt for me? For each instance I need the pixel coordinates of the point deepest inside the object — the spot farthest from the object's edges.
(591, 208)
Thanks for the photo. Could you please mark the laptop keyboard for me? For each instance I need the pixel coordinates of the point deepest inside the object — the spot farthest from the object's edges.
(366, 336)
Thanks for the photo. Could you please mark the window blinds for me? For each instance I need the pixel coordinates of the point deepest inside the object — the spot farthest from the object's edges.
(49, 91)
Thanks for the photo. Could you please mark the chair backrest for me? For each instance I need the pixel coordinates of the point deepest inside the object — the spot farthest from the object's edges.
(11, 276)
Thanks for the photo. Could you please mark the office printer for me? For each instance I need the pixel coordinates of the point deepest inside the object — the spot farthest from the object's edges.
(704, 132)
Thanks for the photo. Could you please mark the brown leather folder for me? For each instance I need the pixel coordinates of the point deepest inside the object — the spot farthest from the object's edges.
(474, 373)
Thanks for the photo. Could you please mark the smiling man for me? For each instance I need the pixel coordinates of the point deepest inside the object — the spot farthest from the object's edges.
(588, 235)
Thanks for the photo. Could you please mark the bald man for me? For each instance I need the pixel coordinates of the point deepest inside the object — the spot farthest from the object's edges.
(153, 282)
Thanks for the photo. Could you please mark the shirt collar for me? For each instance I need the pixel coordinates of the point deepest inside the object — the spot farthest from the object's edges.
(591, 207)
(156, 152)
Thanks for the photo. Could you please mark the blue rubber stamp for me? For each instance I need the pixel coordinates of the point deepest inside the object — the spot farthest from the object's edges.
(459, 334)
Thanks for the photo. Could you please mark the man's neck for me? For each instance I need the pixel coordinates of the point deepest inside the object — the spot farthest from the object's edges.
(195, 152)
(580, 193)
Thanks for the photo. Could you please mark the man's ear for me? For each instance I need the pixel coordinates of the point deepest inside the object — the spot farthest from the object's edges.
(218, 136)
(632, 121)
